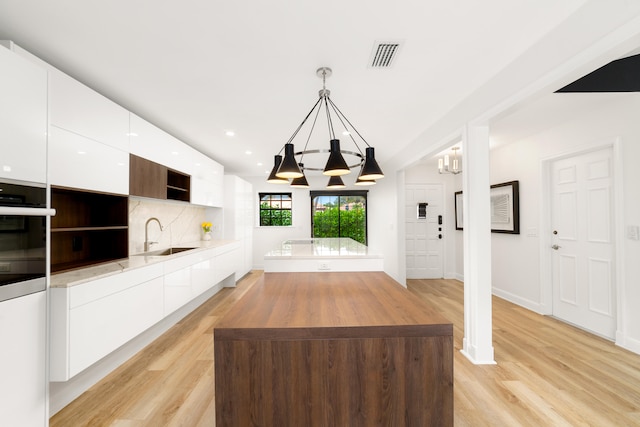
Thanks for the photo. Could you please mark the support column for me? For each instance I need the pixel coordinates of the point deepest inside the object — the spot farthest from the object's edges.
(477, 344)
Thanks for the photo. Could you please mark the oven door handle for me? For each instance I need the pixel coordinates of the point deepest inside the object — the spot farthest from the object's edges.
(9, 210)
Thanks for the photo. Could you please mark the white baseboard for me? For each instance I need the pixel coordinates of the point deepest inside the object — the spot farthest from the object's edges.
(522, 302)
(63, 393)
(627, 343)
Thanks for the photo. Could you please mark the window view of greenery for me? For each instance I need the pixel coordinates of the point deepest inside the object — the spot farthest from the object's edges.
(275, 209)
(340, 216)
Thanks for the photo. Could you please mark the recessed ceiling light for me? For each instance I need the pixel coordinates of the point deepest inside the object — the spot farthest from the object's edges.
(230, 133)
(132, 134)
(175, 153)
(82, 152)
(259, 164)
(247, 152)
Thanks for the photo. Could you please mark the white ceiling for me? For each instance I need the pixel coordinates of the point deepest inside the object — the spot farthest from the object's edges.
(198, 68)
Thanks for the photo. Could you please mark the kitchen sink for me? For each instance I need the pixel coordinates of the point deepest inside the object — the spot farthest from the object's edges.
(165, 252)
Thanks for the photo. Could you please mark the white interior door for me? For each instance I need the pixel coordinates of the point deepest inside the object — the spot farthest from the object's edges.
(582, 243)
(424, 235)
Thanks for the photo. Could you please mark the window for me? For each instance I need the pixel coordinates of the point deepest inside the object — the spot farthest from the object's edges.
(275, 209)
(339, 214)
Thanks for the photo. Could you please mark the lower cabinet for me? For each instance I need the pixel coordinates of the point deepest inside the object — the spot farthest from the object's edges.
(98, 328)
(23, 380)
(91, 320)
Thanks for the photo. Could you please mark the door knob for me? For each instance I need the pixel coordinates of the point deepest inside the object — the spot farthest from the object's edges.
(555, 247)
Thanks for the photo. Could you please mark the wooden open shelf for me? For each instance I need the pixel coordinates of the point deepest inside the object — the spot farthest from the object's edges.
(88, 228)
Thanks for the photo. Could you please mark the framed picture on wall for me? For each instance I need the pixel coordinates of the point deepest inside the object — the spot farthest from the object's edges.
(458, 204)
(505, 208)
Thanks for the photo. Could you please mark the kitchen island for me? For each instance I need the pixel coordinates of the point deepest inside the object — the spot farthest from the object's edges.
(322, 254)
(343, 349)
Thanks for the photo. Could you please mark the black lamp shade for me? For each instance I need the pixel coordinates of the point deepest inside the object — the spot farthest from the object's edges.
(335, 182)
(289, 167)
(336, 165)
(363, 182)
(302, 181)
(273, 179)
(370, 170)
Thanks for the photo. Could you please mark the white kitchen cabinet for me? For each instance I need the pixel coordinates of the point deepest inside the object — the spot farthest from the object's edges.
(99, 327)
(202, 273)
(23, 382)
(79, 162)
(152, 143)
(91, 320)
(81, 110)
(227, 261)
(23, 118)
(177, 289)
(239, 219)
(207, 181)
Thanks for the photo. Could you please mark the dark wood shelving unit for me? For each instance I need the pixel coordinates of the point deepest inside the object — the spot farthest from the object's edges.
(178, 185)
(150, 179)
(88, 228)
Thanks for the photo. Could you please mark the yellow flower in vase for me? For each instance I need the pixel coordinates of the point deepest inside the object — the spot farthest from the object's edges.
(206, 229)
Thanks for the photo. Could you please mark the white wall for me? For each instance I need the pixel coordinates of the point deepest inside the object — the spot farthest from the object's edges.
(515, 258)
(267, 238)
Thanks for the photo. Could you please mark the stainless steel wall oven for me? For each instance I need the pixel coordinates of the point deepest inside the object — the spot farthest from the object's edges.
(23, 238)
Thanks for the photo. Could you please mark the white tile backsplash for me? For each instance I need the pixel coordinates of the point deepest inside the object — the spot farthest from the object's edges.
(180, 223)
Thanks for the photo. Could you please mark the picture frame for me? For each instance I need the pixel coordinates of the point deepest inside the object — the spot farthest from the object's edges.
(458, 209)
(505, 208)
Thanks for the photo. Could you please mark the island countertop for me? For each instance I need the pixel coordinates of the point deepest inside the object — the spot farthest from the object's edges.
(327, 247)
(322, 255)
(287, 303)
(335, 348)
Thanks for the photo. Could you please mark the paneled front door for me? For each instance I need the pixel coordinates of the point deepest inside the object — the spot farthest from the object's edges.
(582, 243)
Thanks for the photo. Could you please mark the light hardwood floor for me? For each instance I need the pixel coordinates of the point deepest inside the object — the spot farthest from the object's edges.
(548, 373)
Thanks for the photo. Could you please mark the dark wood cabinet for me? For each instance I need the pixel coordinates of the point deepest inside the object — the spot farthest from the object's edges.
(150, 179)
(88, 228)
(147, 178)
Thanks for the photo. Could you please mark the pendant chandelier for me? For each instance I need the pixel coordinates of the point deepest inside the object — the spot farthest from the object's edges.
(291, 166)
(447, 165)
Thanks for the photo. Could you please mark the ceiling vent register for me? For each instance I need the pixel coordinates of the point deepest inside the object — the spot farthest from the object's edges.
(384, 54)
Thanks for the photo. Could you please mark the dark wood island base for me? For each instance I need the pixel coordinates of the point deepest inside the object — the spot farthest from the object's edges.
(332, 349)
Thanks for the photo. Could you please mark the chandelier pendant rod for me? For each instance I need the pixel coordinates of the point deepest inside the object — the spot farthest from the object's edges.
(303, 122)
(341, 117)
(332, 134)
(340, 114)
(313, 125)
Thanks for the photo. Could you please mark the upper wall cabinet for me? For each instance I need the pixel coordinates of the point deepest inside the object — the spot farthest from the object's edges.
(81, 110)
(79, 162)
(154, 144)
(23, 119)
(207, 179)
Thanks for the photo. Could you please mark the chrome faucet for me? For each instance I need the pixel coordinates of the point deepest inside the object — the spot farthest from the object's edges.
(147, 243)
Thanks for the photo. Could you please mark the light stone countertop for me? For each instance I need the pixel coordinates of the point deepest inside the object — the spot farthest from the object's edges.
(79, 276)
(335, 247)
